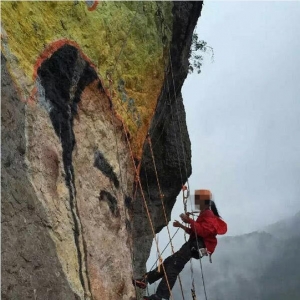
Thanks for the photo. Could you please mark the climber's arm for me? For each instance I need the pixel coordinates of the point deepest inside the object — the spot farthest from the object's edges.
(185, 228)
(203, 228)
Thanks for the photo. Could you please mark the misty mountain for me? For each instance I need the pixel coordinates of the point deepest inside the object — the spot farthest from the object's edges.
(262, 265)
(285, 228)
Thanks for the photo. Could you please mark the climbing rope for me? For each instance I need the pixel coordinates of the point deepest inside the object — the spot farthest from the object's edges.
(157, 236)
(121, 178)
(164, 249)
(161, 196)
(138, 181)
(183, 152)
(185, 189)
(109, 77)
(185, 196)
(147, 211)
(163, 205)
(145, 203)
(137, 169)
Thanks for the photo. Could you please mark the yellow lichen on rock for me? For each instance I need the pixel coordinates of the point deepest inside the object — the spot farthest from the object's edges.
(119, 38)
(74, 75)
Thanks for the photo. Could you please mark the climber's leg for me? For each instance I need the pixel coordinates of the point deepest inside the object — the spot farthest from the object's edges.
(158, 273)
(155, 275)
(151, 276)
(173, 269)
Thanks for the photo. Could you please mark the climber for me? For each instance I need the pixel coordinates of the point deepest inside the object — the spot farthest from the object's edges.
(202, 232)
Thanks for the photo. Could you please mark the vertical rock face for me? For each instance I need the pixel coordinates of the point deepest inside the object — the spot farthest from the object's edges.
(73, 221)
(31, 268)
(169, 138)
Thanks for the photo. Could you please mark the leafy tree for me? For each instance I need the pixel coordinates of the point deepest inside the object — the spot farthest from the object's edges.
(196, 59)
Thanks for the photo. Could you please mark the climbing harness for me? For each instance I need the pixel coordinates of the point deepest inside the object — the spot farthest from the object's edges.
(202, 252)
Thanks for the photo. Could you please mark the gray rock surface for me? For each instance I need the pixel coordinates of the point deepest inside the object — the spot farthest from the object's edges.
(25, 274)
(72, 215)
(170, 139)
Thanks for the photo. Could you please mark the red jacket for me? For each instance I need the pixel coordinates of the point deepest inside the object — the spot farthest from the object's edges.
(207, 226)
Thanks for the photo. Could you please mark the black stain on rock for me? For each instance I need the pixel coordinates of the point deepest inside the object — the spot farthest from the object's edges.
(103, 165)
(63, 71)
(128, 202)
(63, 77)
(111, 201)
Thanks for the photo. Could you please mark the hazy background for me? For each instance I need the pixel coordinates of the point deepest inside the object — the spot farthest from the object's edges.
(243, 116)
(243, 111)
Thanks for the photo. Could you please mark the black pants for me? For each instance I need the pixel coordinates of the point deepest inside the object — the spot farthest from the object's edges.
(173, 265)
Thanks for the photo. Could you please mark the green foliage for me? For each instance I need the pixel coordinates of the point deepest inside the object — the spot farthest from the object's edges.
(196, 59)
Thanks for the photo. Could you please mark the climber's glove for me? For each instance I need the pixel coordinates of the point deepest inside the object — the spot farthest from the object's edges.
(184, 218)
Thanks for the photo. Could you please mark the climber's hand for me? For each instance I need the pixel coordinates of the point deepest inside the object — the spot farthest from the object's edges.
(177, 224)
(184, 218)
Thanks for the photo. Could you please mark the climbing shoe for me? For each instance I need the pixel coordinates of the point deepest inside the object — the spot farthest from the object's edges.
(152, 297)
(140, 282)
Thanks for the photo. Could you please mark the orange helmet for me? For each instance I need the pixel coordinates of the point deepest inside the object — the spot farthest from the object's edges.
(201, 195)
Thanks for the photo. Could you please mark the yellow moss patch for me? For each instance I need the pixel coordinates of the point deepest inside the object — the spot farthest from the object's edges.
(32, 26)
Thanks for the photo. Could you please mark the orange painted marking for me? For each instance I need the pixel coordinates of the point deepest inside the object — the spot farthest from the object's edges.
(51, 48)
(93, 7)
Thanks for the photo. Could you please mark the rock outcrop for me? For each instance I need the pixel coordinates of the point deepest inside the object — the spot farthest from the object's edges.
(169, 135)
(74, 224)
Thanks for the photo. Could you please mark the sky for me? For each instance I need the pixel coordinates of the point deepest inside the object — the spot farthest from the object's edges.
(243, 115)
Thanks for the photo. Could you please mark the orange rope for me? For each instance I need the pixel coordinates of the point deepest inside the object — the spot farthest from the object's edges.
(148, 213)
(121, 178)
(161, 195)
(184, 188)
(162, 203)
(109, 94)
(137, 170)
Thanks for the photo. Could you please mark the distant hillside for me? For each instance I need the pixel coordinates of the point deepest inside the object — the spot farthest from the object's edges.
(285, 228)
(256, 266)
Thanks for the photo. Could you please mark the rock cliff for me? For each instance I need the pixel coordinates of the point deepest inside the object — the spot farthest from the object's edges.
(86, 86)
